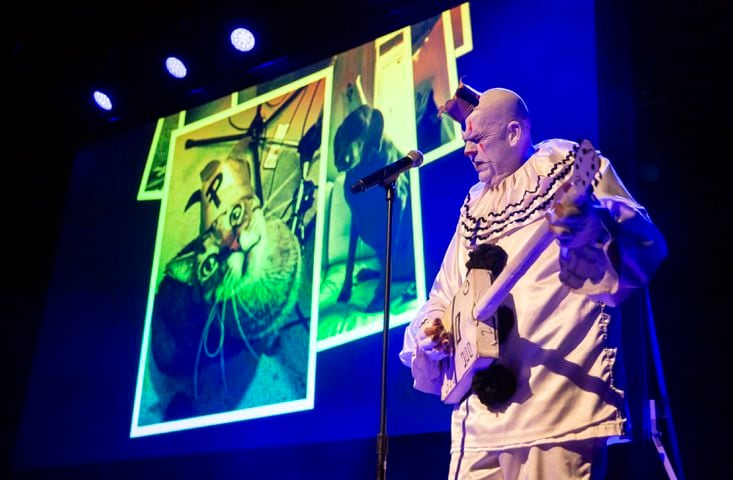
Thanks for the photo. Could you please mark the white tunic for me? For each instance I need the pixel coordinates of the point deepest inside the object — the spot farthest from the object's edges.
(558, 350)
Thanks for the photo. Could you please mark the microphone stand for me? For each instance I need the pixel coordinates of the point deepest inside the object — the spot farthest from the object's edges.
(382, 436)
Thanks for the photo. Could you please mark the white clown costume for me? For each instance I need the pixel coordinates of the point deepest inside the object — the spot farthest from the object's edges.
(559, 348)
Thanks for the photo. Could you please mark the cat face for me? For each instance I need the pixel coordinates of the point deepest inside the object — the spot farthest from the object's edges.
(229, 226)
(249, 290)
(243, 266)
(224, 250)
(238, 227)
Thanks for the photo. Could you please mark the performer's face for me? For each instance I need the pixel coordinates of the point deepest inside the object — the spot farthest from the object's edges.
(487, 146)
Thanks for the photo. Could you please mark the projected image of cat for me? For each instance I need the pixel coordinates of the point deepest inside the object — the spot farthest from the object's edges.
(224, 298)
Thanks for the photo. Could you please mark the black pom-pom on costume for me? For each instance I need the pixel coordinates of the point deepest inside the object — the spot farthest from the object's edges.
(487, 257)
(492, 257)
(494, 385)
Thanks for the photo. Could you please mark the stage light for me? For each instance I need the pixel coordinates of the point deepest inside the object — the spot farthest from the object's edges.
(102, 100)
(175, 67)
(242, 39)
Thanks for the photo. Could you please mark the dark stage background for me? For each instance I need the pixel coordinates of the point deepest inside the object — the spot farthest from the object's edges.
(644, 82)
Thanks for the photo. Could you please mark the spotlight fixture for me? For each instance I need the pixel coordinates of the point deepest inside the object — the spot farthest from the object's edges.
(102, 100)
(242, 39)
(176, 67)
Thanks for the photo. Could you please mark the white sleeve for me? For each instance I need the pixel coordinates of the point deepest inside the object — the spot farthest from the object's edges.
(426, 372)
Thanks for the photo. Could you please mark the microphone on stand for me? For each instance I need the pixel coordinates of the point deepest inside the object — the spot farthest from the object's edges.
(388, 174)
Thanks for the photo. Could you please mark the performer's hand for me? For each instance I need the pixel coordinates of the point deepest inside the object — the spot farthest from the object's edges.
(435, 340)
(580, 264)
(574, 221)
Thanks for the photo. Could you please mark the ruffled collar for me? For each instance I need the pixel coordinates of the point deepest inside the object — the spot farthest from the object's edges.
(519, 199)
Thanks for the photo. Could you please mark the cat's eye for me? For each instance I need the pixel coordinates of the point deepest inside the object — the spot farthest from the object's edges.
(208, 266)
(236, 215)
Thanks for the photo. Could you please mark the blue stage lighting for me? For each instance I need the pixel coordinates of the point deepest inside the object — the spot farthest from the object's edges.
(175, 67)
(242, 39)
(102, 100)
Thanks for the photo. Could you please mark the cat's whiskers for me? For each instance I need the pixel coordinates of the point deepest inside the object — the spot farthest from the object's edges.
(204, 346)
(237, 321)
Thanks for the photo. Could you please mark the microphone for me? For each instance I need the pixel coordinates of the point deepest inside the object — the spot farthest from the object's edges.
(388, 174)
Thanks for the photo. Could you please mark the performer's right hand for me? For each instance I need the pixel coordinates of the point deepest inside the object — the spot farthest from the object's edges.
(435, 340)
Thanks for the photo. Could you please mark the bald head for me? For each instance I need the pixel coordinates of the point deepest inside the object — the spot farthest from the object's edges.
(497, 135)
(503, 104)
(498, 107)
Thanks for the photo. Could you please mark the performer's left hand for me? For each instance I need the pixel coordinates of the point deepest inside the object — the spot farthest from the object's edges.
(435, 340)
